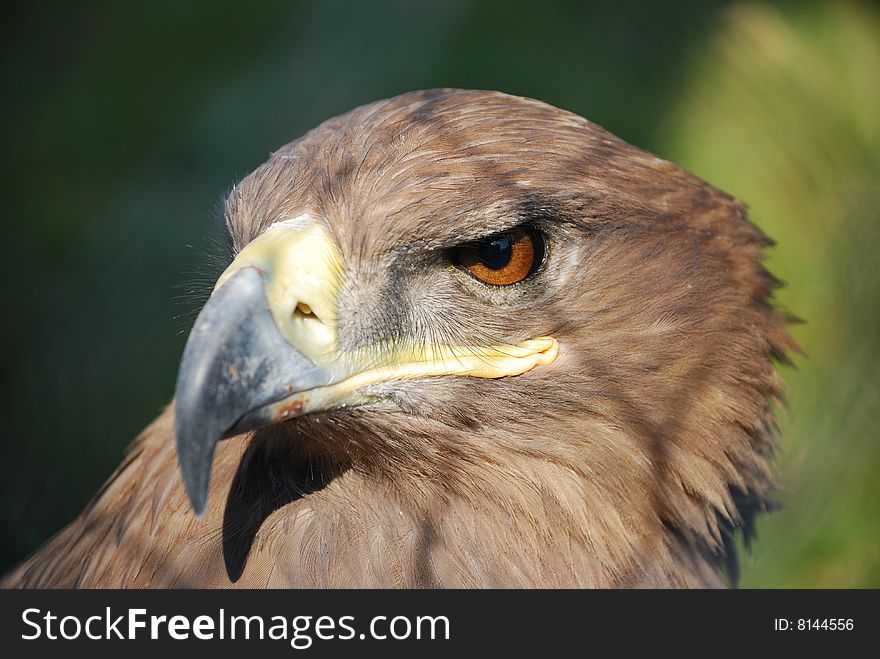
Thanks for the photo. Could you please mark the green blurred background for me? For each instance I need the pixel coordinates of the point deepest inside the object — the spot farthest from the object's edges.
(124, 123)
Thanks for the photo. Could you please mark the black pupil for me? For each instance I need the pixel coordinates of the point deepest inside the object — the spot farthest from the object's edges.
(496, 254)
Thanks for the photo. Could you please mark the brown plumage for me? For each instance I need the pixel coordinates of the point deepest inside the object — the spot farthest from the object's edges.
(629, 461)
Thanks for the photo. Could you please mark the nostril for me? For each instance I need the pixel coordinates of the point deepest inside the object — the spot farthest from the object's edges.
(303, 310)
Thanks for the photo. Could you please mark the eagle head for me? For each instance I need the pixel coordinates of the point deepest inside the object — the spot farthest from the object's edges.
(491, 341)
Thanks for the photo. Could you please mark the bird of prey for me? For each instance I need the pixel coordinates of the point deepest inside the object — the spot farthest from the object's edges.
(465, 339)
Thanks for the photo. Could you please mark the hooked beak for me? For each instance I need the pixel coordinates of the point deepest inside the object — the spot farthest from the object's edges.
(263, 350)
(235, 364)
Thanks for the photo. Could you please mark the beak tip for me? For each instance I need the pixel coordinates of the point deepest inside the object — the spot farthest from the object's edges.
(198, 499)
(198, 509)
(194, 459)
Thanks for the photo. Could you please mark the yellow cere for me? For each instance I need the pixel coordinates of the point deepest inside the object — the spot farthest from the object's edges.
(302, 270)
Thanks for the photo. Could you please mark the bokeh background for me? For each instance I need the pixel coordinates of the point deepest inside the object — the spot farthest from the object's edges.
(124, 123)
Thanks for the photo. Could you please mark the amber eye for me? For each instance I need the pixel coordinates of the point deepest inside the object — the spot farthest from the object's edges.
(504, 259)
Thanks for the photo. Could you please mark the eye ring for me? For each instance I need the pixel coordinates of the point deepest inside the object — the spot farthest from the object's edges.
(504, 259)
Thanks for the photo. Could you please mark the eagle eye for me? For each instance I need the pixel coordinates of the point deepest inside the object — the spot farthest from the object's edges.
(503, 259)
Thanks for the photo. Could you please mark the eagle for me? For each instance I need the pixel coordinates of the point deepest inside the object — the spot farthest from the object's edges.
(464, 339)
